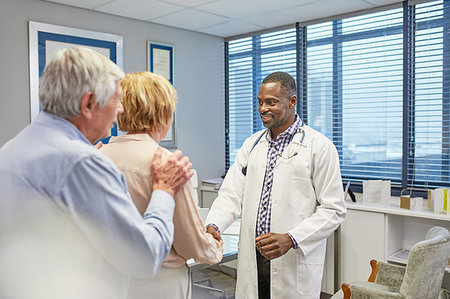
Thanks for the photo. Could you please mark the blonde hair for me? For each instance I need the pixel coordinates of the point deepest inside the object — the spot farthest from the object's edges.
(144, 96)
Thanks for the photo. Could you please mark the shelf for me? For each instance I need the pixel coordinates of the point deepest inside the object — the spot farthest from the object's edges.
(212, 185)
(210, 188)
(394, 209)
(401, 257)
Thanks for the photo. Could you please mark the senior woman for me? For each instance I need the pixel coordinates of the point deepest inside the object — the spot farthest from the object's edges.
(149, 101)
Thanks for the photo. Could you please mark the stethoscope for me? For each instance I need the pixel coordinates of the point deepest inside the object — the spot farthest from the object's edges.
(299, 130)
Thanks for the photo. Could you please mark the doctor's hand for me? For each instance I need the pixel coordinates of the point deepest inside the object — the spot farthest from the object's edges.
(272, 245)
(216, 235)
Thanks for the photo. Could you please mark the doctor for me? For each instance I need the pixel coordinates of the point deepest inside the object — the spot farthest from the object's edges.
(286, 185)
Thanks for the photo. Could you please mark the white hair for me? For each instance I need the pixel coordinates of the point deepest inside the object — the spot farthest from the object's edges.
(70, 74)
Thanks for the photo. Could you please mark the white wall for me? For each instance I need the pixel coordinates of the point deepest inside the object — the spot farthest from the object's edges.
(199, 73)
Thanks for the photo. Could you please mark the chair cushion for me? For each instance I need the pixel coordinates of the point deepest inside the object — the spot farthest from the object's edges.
(364, 289)
(373, 286)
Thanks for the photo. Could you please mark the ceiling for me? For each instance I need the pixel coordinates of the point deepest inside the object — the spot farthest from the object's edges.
(226, 18)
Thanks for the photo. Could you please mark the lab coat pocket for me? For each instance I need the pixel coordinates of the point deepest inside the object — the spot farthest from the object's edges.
(309, 277)
(303, 199)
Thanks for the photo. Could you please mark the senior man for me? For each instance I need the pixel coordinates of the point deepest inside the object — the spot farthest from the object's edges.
(67, 221)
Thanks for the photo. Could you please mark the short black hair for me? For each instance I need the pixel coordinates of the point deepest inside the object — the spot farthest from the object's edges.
(286, 81)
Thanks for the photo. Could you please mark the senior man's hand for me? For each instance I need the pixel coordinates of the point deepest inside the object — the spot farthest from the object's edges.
(171, 175)
(98, 145)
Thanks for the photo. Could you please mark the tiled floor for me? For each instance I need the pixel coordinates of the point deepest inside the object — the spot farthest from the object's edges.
(213, 283)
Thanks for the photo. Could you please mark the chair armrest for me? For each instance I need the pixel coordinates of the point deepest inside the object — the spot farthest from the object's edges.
(390, 275)
(373, 275)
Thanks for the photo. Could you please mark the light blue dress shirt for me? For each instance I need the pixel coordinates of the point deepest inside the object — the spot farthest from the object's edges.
(67, 222)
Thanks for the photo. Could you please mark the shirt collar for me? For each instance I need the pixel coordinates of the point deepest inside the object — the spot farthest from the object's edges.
(289, 131)
(131, 137)
(294, 127)
(53, 121)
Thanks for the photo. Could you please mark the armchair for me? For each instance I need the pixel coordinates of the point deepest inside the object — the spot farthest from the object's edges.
(421, 278)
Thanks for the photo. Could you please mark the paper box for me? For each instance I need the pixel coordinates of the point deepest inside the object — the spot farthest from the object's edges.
(377, 192)
(439, 200)
(405, 202)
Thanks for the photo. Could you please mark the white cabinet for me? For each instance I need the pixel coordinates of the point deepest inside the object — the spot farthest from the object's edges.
(362, 239)
(207, 196)
(328, 279)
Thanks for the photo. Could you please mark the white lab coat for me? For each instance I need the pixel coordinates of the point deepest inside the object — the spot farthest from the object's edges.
(307, 202)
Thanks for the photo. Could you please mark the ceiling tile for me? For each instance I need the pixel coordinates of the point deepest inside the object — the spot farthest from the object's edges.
(383, 2)
(191, 19)
(89, 4)
(272, 20)
(188, 3)
(240, 9)
(139, 9)
(308, 12)
(226, 17)
(231, 28)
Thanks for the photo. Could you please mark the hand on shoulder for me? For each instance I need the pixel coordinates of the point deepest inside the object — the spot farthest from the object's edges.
(171, 175)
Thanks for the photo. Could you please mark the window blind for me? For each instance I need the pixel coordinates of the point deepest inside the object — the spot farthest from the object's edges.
(377, 85)
(250, 60)
(354, 68)
(240, 93)
(428, 162)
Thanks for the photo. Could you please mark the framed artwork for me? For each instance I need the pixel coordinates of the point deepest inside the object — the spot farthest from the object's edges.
(47, 39)
(160, 61)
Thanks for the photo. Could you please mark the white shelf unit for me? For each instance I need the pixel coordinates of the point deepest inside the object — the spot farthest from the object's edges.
(408, 230)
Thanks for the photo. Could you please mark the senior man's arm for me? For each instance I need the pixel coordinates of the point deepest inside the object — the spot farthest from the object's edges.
(96, 196)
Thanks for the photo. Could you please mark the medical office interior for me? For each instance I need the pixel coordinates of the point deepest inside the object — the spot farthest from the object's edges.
(372, 75)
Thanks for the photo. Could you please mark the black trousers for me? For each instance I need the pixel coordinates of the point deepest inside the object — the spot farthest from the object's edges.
(263, 265)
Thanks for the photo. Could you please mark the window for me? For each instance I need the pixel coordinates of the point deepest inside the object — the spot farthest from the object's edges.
(377, 85)
(428, 161)
(249, 61)
(354, 84)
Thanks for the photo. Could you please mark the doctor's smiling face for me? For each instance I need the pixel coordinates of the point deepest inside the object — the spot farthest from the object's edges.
(276, 107)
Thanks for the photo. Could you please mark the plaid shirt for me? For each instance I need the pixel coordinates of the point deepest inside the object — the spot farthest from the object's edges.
(276, 148)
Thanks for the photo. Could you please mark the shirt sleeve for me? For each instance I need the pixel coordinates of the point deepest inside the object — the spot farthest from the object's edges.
(96, 196)
(227, 206)
(293, 241)
(191, 239)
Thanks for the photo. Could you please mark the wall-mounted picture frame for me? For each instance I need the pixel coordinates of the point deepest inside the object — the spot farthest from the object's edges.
(160, 58)
(46, 39)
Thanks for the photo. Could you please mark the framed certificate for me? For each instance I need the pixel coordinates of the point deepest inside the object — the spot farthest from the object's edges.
(46, 39)
(160, 61)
